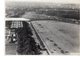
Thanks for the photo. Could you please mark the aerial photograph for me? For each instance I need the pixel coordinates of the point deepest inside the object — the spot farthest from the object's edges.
(42, 27)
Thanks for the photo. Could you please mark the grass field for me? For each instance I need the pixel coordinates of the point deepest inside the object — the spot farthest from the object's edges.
(59, 35)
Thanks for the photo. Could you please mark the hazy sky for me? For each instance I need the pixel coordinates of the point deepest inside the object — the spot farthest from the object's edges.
(54, 1)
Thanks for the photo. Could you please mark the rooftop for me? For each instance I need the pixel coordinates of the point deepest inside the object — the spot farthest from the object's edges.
(16, 19)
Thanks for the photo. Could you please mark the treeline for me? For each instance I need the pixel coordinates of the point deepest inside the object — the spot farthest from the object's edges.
(60, 12)
(14, 12)
(65, 13)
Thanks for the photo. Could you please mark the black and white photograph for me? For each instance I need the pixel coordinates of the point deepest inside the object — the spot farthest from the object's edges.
(42, 27)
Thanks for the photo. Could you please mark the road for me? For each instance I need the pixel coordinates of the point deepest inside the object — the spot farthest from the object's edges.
(11, 49)
(60, 37)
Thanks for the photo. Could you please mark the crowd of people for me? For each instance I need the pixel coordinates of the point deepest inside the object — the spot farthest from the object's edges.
(26, 43)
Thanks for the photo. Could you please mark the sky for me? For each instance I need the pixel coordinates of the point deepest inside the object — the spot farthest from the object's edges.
(54, 1)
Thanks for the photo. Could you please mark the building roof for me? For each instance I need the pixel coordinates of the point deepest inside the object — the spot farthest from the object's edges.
(16, 19)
